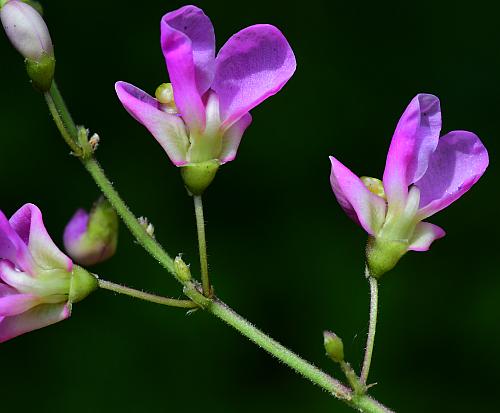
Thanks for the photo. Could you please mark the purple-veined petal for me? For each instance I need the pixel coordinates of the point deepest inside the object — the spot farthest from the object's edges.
(254, 64)
(232, 137)
(168, 129)
(362, 206)
(188, 44)
(424, 235)
(28, 223)
(40, 316)
(459, 160)
(413, 142)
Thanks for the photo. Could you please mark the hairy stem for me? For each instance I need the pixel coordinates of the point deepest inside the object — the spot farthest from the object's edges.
(363, 403)
(202, 244)
(153, 298)
(372, 326)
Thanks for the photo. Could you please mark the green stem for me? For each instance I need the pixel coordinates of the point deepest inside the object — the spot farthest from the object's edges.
(55, 111)
(363, 403)
(372, 326)
(139, 232)
(202, 244)
(121, 289)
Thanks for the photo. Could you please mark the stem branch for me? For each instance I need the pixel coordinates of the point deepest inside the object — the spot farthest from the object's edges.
(65, 124)
(153, 298)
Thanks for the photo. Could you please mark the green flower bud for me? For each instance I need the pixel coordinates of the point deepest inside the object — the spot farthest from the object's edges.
(182, 269)
(333, 346)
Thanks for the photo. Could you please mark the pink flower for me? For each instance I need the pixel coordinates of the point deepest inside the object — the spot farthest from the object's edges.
(38, 283)
(205, 118)
(423, 175)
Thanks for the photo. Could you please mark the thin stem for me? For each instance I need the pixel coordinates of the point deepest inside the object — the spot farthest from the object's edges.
(55, 111)
(372, 326)
(153, 298)
(65, 115)
(202, 244)
(139, 232)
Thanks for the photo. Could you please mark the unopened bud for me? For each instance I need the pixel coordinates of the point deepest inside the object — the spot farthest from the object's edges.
(182, 269)
(92, 238)
(29, 34)
(333, 346)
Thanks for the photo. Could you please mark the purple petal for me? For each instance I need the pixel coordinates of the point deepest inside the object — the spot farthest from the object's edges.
(12, 247)
(188, 44)
(254, 64)
(424, 235)
(14, 304)
(28, 223)
(232, 137)
(414, 140)
(168, 129)
(362, 206)
(76, 228)
(459, 160)
(40, 316)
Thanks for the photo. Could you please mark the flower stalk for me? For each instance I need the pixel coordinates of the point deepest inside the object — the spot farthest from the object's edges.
(372, 327)
(202, 245)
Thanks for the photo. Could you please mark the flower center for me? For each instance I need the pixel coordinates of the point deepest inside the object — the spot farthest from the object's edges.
(374, 185)
(165, 95)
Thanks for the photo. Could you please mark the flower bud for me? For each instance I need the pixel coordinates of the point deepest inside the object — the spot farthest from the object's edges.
(182, 269)
(92, 238)
(29, 34)
(333, 346)
(198, 176)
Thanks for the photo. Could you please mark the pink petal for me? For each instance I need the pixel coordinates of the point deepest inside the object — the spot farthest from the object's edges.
(232, 137)
(459, 160)
(28, 223)
(12, 247)
(362, 206)
(424, 235)
(254, 64)
(40, 316)
(414, 140)
(188, 44)
(14, 304)
(168, 129)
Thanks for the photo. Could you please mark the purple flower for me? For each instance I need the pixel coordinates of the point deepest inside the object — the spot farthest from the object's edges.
(38, 283)
(205, 118)
(423, 175)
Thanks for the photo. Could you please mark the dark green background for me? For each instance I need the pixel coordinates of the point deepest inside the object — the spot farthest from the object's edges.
(282, 252)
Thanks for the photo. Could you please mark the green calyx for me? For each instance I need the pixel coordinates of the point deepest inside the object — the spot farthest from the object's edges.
(82, 284)
(383, 254)
(41, 72)
(198, 176)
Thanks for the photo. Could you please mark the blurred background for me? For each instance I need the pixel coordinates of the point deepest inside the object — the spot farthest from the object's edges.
(281, 251)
